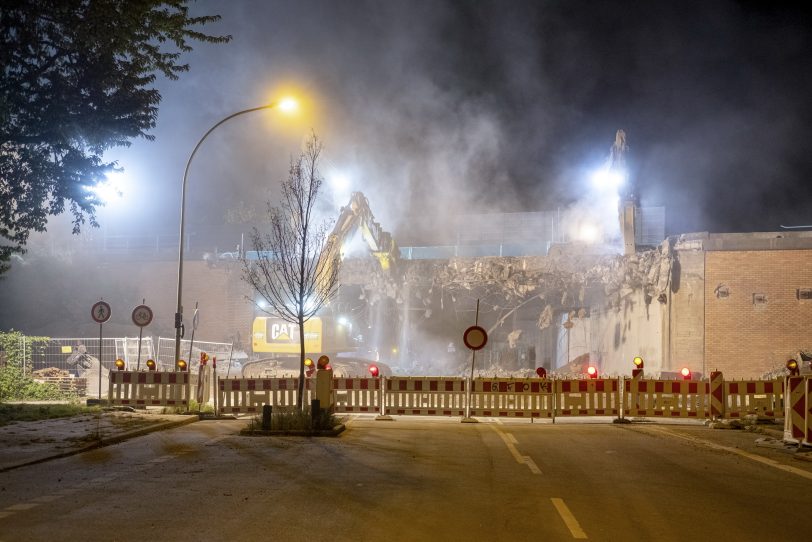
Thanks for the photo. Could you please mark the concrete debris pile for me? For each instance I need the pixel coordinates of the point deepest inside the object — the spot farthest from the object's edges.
(561, 281)
(566, 280)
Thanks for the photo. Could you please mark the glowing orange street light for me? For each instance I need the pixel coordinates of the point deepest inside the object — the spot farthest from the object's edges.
(286, 105)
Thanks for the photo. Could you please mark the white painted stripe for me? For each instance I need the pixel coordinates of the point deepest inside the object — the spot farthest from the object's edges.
(569, 519)
(760, 459)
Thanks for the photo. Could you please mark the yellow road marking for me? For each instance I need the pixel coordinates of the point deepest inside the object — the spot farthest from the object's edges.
(569, 520)
(22, 506)
(764, 460)
(510, 442)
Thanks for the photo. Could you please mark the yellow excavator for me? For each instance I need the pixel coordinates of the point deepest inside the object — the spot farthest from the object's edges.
(325, 334)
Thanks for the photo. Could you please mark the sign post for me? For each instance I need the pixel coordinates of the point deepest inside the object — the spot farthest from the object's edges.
(100, 312)
(195, 322)
(475, 338)
(142, 316)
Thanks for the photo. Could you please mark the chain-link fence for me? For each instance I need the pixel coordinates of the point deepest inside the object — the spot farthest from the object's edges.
(75, 354)
(191, 353)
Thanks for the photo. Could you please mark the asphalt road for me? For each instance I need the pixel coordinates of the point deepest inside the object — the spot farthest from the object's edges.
(419, 480)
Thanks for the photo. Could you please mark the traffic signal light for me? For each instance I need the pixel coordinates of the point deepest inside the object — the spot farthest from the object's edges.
(686, 373)
(542, 372)
(120, 364)
(151, 364)
(592, 371)
(373, 370)
(792, 366)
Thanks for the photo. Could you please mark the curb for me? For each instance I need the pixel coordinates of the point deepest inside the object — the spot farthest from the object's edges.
(115, 439)
(334, 432)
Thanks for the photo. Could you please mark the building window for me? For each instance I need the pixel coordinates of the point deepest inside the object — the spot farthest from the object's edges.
(759, 299)
(804, 294)
(722, 291)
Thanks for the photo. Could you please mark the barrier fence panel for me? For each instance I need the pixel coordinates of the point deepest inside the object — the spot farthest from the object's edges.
(588, 397)
(512, 397)
(796, 407)
(808, 415)
(247, 395)
(357, 395)
(666, 398)
(427, 396)
(763, 398)
(149, 388)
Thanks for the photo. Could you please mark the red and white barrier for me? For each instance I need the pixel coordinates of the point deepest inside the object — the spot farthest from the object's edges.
(808, 437)
(512, 397)
(426, 396)
(247, 395)
(149, 388)
(589, 397)
(796, 416)
(665, 398)
(357, 395)
(762, 398)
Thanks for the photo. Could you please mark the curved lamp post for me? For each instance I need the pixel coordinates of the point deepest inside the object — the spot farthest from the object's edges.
(287, 105)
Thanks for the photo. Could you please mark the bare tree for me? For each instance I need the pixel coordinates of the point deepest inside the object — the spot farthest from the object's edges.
(296, 270)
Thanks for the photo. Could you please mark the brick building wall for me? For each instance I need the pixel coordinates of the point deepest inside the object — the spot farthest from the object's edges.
(685, 313)
(754, 320)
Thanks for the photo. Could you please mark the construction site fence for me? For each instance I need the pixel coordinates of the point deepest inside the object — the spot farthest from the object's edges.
(517, 397)
(790, 398)
(76, 354)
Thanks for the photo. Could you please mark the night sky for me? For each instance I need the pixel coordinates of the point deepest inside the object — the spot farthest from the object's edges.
(435, 108)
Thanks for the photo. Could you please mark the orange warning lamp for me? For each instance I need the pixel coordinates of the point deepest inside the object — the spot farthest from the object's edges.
(792, 367)
(592, 371)
(120, 364)
(638, 362)
(324, 362)
(373, 370)
(151, 364)
(686, 373)
(181, 365)
(541, 372)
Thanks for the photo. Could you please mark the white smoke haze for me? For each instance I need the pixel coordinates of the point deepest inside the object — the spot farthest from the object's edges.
(434, 109)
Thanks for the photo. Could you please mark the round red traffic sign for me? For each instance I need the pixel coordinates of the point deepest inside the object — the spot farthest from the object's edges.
(142, 315)
(101, 312)
(475, 337)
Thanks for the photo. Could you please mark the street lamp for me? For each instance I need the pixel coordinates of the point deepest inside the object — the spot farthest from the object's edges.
(287, 105)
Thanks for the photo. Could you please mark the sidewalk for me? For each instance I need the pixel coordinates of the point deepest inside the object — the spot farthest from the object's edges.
(26, 443)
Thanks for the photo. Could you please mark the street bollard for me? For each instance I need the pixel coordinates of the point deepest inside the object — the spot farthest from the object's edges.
(315, 413)
(266, 417)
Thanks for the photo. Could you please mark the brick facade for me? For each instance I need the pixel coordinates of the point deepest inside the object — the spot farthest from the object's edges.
(760, 321)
